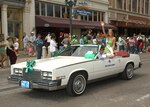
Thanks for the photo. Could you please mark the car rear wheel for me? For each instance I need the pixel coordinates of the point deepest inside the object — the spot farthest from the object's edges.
(128, 72)
(76, 85)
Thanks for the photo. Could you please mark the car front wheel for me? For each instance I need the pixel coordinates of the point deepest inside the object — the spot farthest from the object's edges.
(128, 72)
(76, 85)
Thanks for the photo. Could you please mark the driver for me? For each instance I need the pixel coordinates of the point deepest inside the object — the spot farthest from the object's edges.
(102, 54)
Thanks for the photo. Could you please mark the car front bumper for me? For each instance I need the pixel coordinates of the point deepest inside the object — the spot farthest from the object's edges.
(44, 84)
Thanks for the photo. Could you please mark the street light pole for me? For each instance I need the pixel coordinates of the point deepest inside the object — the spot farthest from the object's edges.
(70, 18)
(70, 4)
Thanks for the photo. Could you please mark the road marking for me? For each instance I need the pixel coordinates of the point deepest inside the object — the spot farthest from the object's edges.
(143, 97)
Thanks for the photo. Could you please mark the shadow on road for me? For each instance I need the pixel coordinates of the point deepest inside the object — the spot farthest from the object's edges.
(92, 88)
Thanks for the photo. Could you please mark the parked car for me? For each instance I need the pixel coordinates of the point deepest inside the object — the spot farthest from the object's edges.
(72, 70)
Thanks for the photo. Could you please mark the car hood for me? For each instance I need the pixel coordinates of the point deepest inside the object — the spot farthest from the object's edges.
(49, 64)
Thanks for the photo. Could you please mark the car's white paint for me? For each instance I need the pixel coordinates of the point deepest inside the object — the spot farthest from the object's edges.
(65, 66)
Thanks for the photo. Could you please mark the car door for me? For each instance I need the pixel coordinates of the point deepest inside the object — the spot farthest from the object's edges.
(105, 67)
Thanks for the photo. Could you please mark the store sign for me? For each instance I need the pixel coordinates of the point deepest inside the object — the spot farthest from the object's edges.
(83, 3)
(83, 12)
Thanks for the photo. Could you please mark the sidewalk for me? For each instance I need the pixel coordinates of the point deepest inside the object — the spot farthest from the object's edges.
(5, 72)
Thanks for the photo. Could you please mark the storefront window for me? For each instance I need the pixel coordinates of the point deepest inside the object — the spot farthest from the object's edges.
(57, 10)
(37, 8)
(43, 9)
(49, 9)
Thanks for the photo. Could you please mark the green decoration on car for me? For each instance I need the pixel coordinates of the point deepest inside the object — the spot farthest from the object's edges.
(30, 65)
(89, 55)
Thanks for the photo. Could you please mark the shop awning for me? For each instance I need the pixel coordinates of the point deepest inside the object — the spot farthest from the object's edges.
(129, 24)
(45, 21)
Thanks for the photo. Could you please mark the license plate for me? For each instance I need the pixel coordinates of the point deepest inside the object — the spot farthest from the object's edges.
(25, 84)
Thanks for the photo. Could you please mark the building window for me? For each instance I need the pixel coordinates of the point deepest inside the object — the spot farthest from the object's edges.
(90, 17)
(130, 5)
(83, 18)
(37, 11)
(125, 3)
(57, 10)
(95, 16)
(68, 12)
(142, 6)
(134, 5)
(146, 7)
(43, 9)
(86, 18)
(119, 4)
(64, 12)
(14, 22)
(102, 15)
(49, 9)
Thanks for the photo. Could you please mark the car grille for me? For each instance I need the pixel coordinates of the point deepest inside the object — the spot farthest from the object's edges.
(32, 76)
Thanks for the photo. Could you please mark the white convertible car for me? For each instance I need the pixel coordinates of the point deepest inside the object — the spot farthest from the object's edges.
(72, 70)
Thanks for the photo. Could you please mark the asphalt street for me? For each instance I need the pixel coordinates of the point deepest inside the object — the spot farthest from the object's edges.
(112, 92)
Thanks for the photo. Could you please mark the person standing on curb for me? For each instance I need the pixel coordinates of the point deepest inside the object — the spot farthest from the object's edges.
(53, 45)
(33, 40)
(26, 38)
(10, 51)
(47, 39)
(39, 44)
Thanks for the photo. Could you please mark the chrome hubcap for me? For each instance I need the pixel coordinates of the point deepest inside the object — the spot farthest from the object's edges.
(79, 84)
(130, 71)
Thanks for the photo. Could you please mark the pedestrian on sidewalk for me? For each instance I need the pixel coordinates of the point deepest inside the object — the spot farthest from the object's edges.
(16, 46)
(47, 40)
(10, 51)
(53, 45)
(30, 49)
(39, 45)
(26, 38)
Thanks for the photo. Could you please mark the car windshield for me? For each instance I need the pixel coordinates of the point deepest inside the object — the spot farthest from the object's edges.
(79, 50)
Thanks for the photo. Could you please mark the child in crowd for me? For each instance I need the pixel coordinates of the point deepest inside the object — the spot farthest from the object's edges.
(30, 48)
(16, 46)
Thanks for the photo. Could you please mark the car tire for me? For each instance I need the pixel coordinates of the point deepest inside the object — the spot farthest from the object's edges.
(77, 84)
(128, 72)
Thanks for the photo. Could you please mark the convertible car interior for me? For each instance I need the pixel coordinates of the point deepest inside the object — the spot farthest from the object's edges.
(122, 53)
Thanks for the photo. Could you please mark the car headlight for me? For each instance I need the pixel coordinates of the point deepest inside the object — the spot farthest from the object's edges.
(47, 75)
(18, 71)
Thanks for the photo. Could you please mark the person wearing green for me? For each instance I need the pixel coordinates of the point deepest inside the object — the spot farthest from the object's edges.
(74, 40)
(110, 41)
(85, 39)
